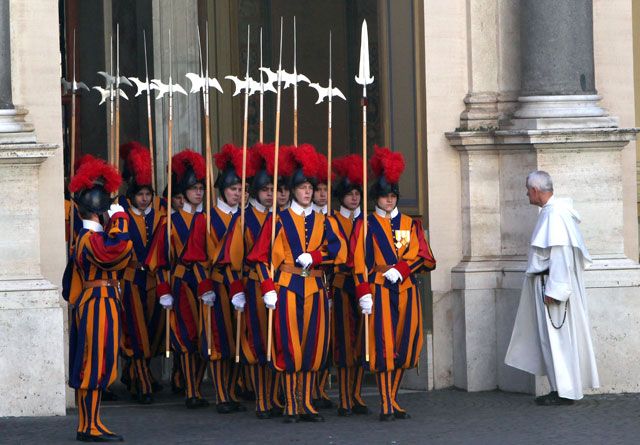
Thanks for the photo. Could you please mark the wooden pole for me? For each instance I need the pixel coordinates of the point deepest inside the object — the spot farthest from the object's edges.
(149, 120)
(169, 192)
(73, 141)
(274, 207)
(364, 207)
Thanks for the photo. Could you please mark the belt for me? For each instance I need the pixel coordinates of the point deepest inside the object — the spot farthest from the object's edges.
(316, 273)
(382, 269)
(90, 284)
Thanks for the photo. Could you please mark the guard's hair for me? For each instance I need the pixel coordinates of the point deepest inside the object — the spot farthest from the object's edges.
(540, 180)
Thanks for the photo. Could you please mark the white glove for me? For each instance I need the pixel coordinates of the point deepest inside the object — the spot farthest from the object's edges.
(305, 260)
(238, 301)
(166, 301)
(115, 208)
(366, 304)
(270, 299)
(209, 298)
(393, 275)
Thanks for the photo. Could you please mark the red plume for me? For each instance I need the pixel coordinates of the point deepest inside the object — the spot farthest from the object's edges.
(186, 158)
(81, 161)
(322, 167)
(304, 156)
(139, 162)
(350, 167)
(231, 156)
(388, 163)
(91, 171)
(286, 162)
(125, 149)
(263, 156)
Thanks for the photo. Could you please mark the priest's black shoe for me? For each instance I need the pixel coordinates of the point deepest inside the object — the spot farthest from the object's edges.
(263, 415)
(552, 399)
(196, 402)
(401, 415)
(84, 437)
(290, 419)
(311, 418)
(344, 412)
(360, 409)
(387, 417)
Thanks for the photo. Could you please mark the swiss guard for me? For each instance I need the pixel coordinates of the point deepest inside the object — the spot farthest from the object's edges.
(102, 250)
(303, 242)
(141, 313)
(385, 265)
(347, 318)
(183, 272)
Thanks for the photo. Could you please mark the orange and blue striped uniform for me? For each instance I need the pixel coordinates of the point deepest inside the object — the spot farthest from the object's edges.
(186, 278)
(77, 224)
(227, 280)
(264, 378)
(347, 327)
(300, 320)
(141, 312)
(395, 325)
(95, 330)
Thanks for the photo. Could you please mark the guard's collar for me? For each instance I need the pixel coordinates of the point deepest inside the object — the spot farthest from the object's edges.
(299, 210)
(138, 212)
(384, 214)
(256, 205)
(319, 209)
(92, 225)
(348, 213)
(187, 207)
(226, 208)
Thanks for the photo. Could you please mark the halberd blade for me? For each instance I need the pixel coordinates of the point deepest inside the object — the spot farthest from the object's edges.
(364, 74)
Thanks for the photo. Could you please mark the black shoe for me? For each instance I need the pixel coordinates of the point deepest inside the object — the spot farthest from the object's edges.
(176, 389)
(238, 407)
(386, 417)
(322, 403)
(290, 419)
(145, 399)
(263, 415)
(311, 418)
(157, 387)
(196, 402)
(276, 412)
(109, 396)
(401, 415)
(552, 399)
(225, 408)
(360, 409)
(344, 412)
(84, 437)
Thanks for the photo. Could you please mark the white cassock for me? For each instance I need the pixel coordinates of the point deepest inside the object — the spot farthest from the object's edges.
(564, 355)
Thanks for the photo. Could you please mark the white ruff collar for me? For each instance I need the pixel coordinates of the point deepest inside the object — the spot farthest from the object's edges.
(319, 209)
(187, 207)
(256, 205)
(226, 208)
(348, 213)
(138, 212)
(299, 210)
(384, 214)
(92, 225)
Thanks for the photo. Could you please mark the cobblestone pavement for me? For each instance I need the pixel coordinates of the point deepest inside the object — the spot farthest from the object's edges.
(439, 417)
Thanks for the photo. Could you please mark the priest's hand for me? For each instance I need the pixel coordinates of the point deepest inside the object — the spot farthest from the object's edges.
(548, 300)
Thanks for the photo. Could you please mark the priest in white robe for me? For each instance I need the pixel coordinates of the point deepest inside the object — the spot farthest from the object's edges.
(552, 334)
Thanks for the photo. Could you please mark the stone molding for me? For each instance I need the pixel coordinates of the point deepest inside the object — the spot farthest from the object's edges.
(14, 129)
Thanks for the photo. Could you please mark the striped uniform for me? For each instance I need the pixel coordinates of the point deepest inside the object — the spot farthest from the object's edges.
(142, 315)
(227, 281)
(395, 325)
(186, 278)
(95, 329)
(77, 223)
(347, 327)
(254, 334)
(300, 320)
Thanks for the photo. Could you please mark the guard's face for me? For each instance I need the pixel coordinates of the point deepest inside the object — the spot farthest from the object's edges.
(142, 199)
(265, 196)
(303, 194)
(351, 200)
(388, 202)
(320, 196)
(233, 194)
(195, 194)
(283, 196)
(177, 201)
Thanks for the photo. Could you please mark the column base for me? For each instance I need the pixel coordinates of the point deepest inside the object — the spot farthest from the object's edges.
(14, 129)
(32, 369)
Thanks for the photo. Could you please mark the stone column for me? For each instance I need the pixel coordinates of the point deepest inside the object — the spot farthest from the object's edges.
(32, 379)
(558, 82)
(558, 127)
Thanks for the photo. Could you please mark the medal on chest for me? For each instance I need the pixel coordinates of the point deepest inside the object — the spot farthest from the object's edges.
(402, 238)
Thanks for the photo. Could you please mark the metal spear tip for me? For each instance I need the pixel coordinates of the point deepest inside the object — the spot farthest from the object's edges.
(364, 74)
